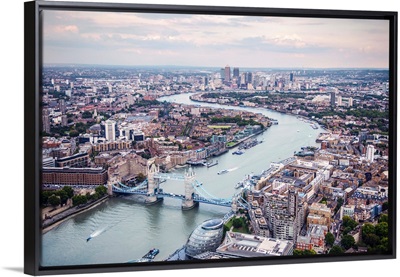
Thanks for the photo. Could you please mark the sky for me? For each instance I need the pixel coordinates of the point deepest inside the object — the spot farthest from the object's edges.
(109, 38)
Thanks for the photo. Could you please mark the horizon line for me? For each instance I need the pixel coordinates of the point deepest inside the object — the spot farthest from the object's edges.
(217, 67)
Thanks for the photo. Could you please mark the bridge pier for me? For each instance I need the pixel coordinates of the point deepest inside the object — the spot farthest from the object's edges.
(188, 205)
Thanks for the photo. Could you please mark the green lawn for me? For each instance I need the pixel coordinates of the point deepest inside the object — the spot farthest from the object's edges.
(231, 143)
(243, 229)
(219, 127)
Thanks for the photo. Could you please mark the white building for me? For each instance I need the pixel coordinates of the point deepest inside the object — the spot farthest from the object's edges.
(339, 100)
(370, 153)
(110, 130)
(247, 246)
(350, 102)
(347, 210)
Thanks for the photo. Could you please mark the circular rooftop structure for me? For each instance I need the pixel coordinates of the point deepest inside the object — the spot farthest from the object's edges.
(206, 237)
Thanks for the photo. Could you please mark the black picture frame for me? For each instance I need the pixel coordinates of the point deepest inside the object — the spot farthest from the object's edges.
(32, 129)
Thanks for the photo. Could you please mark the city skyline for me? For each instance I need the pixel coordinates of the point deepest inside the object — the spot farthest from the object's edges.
(197, 40)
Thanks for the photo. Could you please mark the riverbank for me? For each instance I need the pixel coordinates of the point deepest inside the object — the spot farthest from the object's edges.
(247, 138)
(313, 120)
(56, 220)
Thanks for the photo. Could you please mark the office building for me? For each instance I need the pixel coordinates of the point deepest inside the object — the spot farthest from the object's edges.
(333, 99)
(78, 161)
(249, 78)
(284, 214)
(370, 153)
(291, 77)
(205, 238)
(314, 239)
(74, 176)
(46, 121)
(110, 131)
(350, 101)
(227, 74)
(48, 162)
(236, 72)
(112, 145)
(61, 106)
(247, 246)
(339, 100)
(285, 227)
(222, 73)
(319, 214)
(64, 120)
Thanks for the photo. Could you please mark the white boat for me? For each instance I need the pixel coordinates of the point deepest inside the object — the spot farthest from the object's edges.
(222, 171)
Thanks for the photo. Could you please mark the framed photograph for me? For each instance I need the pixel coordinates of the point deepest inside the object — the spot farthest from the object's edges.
(168, 136)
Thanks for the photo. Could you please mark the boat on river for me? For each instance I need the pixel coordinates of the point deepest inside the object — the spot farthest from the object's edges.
(222, 171)
(151, 254)
(211, 163)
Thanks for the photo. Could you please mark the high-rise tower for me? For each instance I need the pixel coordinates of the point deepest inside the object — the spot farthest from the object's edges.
(46, 121)
(333, 99)
(110, 130)
(236, 72)
(227, 73)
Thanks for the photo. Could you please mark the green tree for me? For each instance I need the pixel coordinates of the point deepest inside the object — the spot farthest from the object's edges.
(339, 204)
(73, 133)
(346, 230)
(63, 197)
(54, 200)
(101, 190)
(336, 250)
(385, 243)
(69, 190)
(237, 223)
(382, 229)
(86, 114)
(349, 222)
(347, 242)
(368, 228)
(383, 218)
(79, 200)
(385, 206)
(45, 197)
(371, 240)
(306, 252)
(95, 196)
(329, 239)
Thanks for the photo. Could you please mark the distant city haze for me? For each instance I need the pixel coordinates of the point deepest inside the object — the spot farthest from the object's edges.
(134, 39)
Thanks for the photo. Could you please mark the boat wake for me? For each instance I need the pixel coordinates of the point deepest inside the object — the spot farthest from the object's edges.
(95, 234)
(102, 230)
(232, 169)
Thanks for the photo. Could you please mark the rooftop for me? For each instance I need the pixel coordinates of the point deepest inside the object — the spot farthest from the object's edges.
(246, 245)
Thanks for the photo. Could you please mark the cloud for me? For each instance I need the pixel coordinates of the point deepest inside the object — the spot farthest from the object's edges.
(62, 29)
(210, 39)
(288, 40)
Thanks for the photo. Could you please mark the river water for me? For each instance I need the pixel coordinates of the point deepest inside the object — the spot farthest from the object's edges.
(125, 230)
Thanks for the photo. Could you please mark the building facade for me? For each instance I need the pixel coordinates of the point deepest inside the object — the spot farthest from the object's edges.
(74, 176)
(77, 161)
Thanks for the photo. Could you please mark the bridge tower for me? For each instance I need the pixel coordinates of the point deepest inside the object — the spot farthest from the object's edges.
(113, 179)
(188, 202)
(153, 185)
(234, 205)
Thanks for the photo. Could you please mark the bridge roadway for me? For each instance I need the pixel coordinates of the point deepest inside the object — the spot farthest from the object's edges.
(142, 190)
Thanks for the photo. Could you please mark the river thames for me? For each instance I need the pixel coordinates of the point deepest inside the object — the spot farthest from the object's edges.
(125, 230)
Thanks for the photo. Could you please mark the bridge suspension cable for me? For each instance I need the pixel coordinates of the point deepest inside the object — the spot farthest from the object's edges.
(208, 196)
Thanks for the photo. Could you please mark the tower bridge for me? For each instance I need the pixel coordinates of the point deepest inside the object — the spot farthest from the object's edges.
(194, 191)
